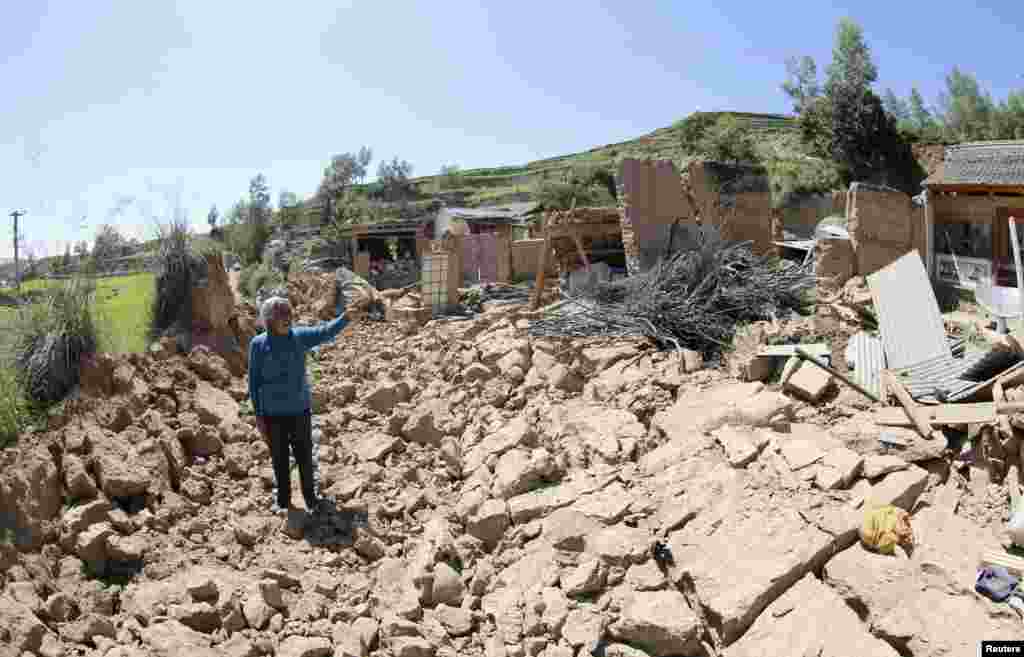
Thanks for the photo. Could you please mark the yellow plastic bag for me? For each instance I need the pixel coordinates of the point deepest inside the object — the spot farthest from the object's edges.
(884, 528)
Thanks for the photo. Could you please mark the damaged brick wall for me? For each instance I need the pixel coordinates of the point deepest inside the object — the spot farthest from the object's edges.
(749, 218)
(216, 323)
(743, 215)
(802, 216)
(650, 201)
(883, 225)
(526, 257)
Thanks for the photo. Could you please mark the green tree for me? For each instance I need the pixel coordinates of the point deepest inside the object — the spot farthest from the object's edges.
(393, 177)
(966, 109)
(238, 214)
(1014, 109)
(108, 247)
(255, 232)
(895, 107)
(851, 64)
(801, 83)
(363, 159)
(65, 263)
(849, 125)
(259, 199)
(920, 116)
(212, 217)
(339, 176)
(289, 210)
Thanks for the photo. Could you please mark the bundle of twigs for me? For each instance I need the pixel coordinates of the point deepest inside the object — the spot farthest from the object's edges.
(692, 299)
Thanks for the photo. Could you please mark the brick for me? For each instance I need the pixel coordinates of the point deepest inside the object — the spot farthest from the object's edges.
(808, 382)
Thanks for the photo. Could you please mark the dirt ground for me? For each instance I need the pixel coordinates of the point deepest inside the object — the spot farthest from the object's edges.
(492, 494)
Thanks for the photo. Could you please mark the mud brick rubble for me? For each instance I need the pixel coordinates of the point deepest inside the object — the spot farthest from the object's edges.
(494, 495)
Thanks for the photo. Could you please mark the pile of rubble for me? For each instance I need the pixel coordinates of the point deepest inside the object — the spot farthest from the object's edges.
(496, 494)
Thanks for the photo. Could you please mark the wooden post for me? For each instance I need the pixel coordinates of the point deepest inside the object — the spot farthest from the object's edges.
(579, 247)
(1016, 262)
(999, 397)
(542, 268)
(919, 419)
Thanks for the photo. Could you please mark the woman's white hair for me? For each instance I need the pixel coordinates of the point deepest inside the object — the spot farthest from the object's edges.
(271, 306)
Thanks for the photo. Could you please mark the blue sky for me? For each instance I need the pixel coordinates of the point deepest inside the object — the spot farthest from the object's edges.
(119, 111)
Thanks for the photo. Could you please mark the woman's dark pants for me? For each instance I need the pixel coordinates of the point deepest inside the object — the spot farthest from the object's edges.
(295, 432)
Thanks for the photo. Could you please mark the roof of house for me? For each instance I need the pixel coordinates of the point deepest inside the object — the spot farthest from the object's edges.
(507, 213)
(981, 163)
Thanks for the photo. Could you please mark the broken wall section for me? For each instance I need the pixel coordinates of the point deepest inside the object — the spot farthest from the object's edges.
(883, 225)
(650, 201)
(216, 321)
(525, 256)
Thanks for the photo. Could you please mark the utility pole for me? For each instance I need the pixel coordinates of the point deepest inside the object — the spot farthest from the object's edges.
(17, 271)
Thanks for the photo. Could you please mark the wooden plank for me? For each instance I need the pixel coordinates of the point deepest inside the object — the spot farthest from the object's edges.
(1012, 376)
(582, 252)
(817, 349)
(542, 267)
(943, 414)
(999, 397)
(1013, 564)
(585, 230)
(920, 421)
(1013, 483)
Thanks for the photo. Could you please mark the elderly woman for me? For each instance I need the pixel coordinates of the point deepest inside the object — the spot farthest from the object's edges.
(279, 389)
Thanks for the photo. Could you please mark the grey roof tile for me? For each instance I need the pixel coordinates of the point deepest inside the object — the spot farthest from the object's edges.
(982, 163)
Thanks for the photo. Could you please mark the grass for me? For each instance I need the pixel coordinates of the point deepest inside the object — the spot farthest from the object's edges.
(122, 308)
(121, 314)
(15, 412)
(498, 184)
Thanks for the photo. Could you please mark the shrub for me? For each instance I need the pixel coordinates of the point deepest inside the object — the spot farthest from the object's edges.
(178, 268)
(244, 278)
(256, 276)
(52, 337)
(14, 408)
(729, 139)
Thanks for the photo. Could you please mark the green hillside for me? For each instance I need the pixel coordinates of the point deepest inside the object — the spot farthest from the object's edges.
(502, 184)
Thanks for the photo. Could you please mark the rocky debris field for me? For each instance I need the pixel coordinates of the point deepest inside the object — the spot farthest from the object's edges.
(494, 495)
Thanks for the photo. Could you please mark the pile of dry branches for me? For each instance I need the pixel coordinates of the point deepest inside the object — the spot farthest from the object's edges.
(692, 299)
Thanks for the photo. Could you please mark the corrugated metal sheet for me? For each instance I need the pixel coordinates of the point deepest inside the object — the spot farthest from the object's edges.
(931, 378)
(908, 314)
(928, 380)
(868, 357)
